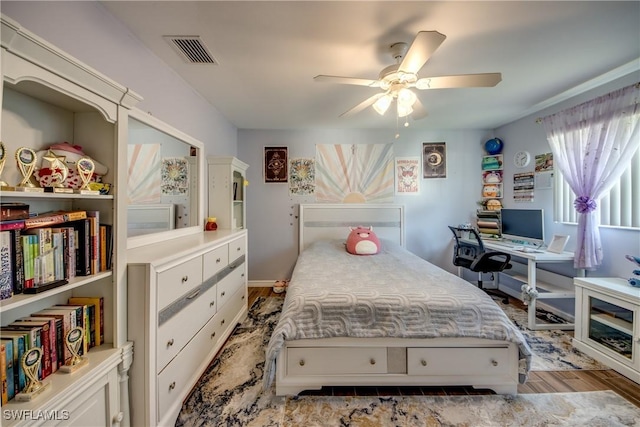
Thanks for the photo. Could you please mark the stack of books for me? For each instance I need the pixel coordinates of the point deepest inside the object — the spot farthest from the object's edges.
(40, 252)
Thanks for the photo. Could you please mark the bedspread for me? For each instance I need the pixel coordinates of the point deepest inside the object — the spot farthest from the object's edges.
(392, 294)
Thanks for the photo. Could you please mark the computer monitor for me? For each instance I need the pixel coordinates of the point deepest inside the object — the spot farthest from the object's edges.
(523, 225)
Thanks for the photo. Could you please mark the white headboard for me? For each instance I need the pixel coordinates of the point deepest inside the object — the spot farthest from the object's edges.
(322, 221)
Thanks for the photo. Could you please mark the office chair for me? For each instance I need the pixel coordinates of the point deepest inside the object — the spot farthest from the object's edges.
(469, 253)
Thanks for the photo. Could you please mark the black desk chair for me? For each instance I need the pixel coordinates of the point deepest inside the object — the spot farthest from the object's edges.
(469, 252)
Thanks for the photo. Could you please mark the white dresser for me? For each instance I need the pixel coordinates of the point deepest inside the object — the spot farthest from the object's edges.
(185, 297)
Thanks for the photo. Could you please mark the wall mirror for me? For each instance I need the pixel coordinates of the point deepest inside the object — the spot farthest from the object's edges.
(165, 183)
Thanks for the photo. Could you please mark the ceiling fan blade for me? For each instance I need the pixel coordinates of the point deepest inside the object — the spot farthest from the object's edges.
(346, 80)
(364, 104)
(463, 80)
(423, 46)
(419, 112)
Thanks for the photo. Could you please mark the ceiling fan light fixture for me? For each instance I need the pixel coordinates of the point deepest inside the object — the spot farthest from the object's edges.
(406, 97)
(404, 109)
(382, 104)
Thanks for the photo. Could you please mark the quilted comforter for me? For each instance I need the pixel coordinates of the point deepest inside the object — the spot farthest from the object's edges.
(392, 294)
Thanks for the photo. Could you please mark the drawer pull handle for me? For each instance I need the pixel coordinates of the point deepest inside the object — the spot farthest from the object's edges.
(185, 278)
(423, 362)
(222, 293)
(242, 297)
(372, 361)
(172, 385)
(218, 260)
(212, 303)
(213, 335)
(301, 362)
(238, 248)
(494, 362)
(232, 266)
(242, 275)
(194, 294)
(222, 323)
(170, 342)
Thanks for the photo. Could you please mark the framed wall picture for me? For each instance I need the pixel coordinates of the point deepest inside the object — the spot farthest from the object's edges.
(434, 160)
(275, 164)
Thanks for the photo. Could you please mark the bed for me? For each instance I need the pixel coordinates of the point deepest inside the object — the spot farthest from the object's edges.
(386, 319)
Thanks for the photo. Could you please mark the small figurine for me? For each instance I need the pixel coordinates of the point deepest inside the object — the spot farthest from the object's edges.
(634, 281)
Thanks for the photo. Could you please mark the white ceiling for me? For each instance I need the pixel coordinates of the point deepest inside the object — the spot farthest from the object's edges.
(268, 53)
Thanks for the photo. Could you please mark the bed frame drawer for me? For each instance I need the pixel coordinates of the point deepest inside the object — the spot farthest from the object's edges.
(336, 361)
(458, 361)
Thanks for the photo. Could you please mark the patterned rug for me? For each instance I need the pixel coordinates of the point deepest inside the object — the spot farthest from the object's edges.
(230, 393)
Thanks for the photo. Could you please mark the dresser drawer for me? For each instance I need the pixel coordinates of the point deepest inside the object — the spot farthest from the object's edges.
(336, 361)
(176, 376)
(237, 248)
(229, 310)
(178, 281)
(214, 261)
(195, 310)
(457, 361)
(230, 284)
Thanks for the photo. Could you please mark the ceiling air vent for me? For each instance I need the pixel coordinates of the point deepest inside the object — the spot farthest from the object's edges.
(191, 49)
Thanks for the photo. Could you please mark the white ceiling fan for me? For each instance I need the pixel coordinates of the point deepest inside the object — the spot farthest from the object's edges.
(398, 80)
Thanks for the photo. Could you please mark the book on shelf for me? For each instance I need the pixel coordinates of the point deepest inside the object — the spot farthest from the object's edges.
(106, 246)
(19, 339)
(12, 224)
(83, 246)
(67, 318)
(17, 260)
(68, 251)
(44, 259)
(38, 336)
(81, 320)
(29, 243)
(94, 232)
(97, 318)
(3, 373)
(6, 365)
(52, 330)
(53, 218)
(6, 267)
(13, 210)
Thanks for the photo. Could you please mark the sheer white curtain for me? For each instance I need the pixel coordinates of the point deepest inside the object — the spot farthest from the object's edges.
(592, 144)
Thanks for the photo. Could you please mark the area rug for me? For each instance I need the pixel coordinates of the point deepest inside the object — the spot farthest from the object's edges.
(552, 349)
(230, 394)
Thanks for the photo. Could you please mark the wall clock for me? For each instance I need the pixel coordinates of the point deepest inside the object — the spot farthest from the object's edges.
(522, 159)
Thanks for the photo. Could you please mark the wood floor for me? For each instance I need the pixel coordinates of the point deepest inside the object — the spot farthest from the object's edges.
(539, 381)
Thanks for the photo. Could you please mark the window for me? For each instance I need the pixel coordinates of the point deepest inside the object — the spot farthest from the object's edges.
(620, 208)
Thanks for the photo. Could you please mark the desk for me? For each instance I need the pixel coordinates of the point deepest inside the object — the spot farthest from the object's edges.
(533, 259)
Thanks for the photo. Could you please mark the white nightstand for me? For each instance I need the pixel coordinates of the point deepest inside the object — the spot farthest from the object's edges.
(607, 325)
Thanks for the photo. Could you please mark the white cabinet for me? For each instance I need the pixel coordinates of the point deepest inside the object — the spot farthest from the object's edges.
(607, 325)
(49, 97)
(185, 297)
(227, 191)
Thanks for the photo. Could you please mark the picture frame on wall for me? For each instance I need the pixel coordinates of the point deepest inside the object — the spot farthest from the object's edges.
(275, 164)
(434, 160)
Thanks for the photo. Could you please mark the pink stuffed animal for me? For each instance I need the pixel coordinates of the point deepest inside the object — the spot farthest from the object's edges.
(362, 241)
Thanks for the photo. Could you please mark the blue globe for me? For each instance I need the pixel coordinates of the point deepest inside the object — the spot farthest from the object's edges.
(494, 146)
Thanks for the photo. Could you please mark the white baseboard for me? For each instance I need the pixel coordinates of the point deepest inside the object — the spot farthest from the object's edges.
(260, 283)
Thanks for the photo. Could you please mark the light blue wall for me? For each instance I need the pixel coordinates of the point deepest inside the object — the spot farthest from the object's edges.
(87, 31)
(526, 134)
(271, 212)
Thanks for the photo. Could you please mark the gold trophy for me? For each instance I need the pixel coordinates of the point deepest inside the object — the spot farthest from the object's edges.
(26, 159)
(59, 171)
(31, 363)
(85, 168)
(3, 158)
(73, 340)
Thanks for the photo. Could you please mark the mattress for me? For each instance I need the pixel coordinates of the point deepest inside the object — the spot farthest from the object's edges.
(392, 294)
